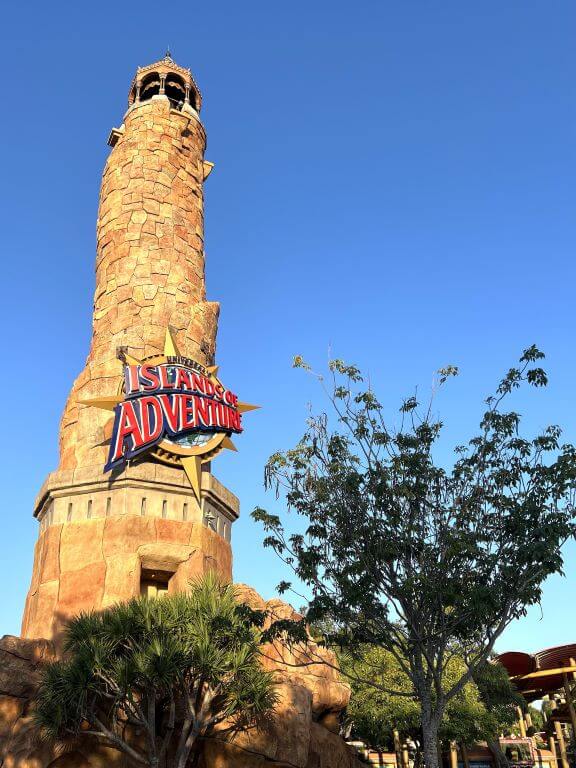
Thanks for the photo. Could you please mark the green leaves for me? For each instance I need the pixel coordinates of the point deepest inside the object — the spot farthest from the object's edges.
(299, 362)
(410, 404)
(537, 377)
(198, 650)
(447, 372)
(532, 354)
(376, 712)
(62, 698)
(349, 371)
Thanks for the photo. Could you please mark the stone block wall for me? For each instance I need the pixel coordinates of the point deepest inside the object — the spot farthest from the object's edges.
(96, 529)
(87, 562)
(95, 563)
(149, 265)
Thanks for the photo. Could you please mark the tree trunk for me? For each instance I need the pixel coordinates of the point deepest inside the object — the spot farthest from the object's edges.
(500, 758)
(464, 752)
(430, 741)
(188, 751)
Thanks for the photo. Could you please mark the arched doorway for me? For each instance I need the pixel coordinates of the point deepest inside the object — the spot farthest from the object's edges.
(150, 86)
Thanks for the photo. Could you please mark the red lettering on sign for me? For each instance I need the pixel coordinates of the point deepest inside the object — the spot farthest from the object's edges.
(151, 418)
(198, 383)
(171, 407)
(202, 412)
(187, 419)
(128, 427)
(131, 381)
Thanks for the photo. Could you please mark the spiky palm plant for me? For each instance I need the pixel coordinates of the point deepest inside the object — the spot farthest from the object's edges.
(153, 678)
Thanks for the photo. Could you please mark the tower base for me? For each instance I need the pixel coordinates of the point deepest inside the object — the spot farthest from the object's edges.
(103, 542)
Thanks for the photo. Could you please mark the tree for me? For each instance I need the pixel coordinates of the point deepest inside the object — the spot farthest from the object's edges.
(537, 718)
(405, 554)
(152, 678)
(374, 712)
(482, 710)
(499, 697)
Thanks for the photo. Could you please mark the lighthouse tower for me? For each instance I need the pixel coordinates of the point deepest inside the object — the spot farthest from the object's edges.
(142, 528)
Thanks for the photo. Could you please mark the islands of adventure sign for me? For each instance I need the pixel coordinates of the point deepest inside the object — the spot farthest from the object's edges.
(174, 408)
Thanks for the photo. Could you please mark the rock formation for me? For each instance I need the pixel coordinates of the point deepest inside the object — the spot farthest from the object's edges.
(302, 734)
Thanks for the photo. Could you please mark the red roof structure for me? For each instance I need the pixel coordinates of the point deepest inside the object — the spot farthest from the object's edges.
(539, 674)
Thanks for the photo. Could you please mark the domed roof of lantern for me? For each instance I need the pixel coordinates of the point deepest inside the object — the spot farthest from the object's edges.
(165, 77)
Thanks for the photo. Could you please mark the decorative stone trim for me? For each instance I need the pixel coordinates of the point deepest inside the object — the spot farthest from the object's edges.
(115, 134)
(147, 490)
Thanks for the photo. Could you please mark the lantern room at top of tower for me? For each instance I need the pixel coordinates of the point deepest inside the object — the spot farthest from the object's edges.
(165, 78)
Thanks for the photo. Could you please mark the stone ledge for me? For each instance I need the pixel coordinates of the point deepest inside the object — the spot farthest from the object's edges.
(145, 476)
(114, 135)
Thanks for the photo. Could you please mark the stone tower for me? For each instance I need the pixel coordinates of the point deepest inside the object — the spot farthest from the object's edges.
(105, 537)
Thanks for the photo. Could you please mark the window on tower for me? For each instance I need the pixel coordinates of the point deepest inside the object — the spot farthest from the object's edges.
(175, 90)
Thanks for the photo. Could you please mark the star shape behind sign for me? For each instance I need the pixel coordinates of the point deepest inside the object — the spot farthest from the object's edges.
(192, 465)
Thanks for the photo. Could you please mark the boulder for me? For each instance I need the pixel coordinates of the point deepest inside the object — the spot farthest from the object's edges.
(20, 663)
(311, 666)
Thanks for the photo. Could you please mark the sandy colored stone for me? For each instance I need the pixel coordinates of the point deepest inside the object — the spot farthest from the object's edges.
(38, 560)
(328, 750)
(172, 530)
(122, 577)
(300, 733)
(81, 544)
(81, 590)
(41, 608)
(149, 275)
(125, 534)
(11, 709)
(311, 666)
(20, 661)
(150, 179)
(101, 558)
(164, 556)
(286, 736)
(221, 755)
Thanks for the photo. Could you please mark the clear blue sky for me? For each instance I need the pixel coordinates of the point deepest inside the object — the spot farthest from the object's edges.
(394, 185)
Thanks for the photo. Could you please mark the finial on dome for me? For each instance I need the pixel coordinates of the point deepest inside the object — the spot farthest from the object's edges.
(168, 55)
